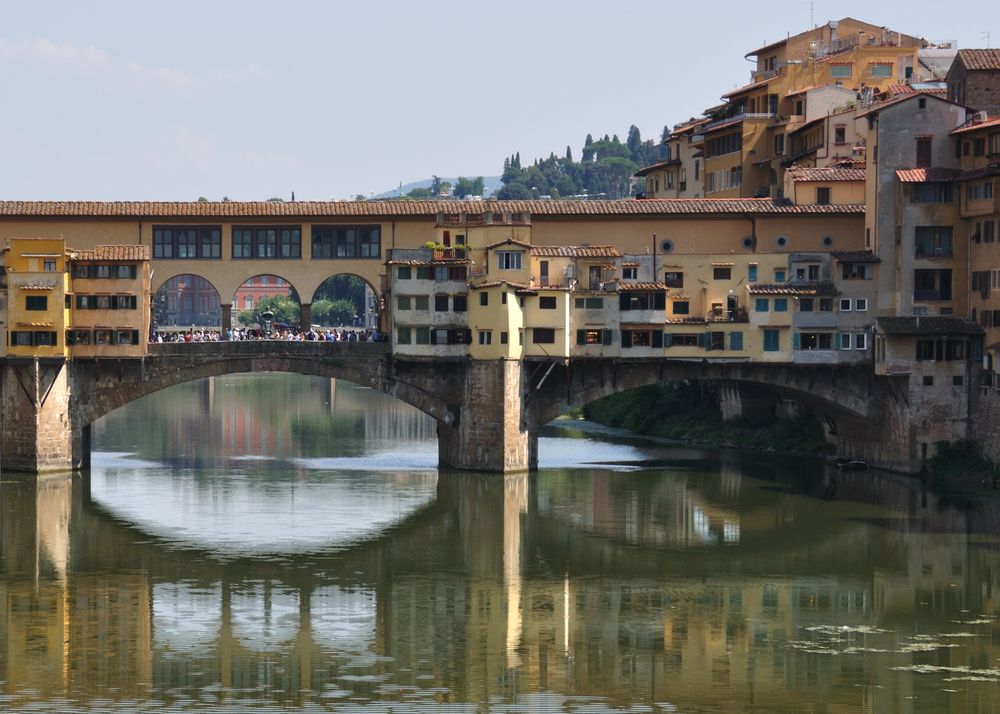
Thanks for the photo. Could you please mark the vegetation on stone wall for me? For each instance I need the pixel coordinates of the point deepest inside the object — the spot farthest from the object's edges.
(962, 466)
(690, 412)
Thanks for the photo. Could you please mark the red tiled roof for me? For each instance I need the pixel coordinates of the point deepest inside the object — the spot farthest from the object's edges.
(929, 174)
(657, 166)
(748, 87)
(896, 89)
(633, 287)
(114, 252)
(980, 59)
(780, 289)
(508, 241)
(497, 283)
(827, 174)
(879, 106)
(966, 128)
(311, 210)
(855, 256)
(575, 251)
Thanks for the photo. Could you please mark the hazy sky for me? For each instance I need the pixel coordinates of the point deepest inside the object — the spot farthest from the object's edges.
(175, 100)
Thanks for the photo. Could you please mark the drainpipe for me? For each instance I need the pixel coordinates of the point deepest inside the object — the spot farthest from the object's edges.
(753, 231)
(654, 257)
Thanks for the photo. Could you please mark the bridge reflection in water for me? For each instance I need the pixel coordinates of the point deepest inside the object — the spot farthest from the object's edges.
(676, 585)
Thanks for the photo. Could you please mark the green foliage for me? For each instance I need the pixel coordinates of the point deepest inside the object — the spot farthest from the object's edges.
(604, 170)
(961, 465)
(469, 187)
(285, 309)
(332, 313)
(420, 194)
(346, 287)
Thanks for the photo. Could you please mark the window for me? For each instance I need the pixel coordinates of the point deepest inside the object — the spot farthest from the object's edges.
(423, 335)
(485, 337)
(187, 242)
(681, 307)
(630, 272)
(928, 380)
(840, 71)
(826, 304)
(49, 265)
(779, 144)
(845, 304)
(932, 284)
(844, 341)
(346, 242)
(543, 336)
(781, 304)
(762, 304)
(814, 341)
(403, 335)
(855, 271)
(771, 340)
(722, 273)
(979, 147)
(36, 302)
(923, 152)
(425, 272)
(881, 70)
(752, 273)
(736, 341)
(593, 337)
(860, 341)
(839, 135)
(779, 275)
(484, 298)
(509, 259)
(123, 302)
(402, 302)
(440, 303)
(932, 241)
(460, 303)
(728, 144)
(404, 272)
(823, 195)
(861, 304)
(931, 192)
(805, 304)
(590, 303)
(925, 350)
(673, 279)
(503, 338)
(957, 380)
(547, 302)
(259, 242)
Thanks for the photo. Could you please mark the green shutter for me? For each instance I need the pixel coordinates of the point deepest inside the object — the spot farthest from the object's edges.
(795, 340)
(626, 338)
(668, 339)
(609, 337)
(657, 338)
(581, 337)
(660, 301)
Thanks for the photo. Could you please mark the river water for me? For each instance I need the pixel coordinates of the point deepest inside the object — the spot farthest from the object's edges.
(262, 542)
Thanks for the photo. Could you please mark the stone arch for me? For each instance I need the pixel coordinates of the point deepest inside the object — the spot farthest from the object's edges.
(368, 303)
(186, 299)
(841, 391)
(101, 386)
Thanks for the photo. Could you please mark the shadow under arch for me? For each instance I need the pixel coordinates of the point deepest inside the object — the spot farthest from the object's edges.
(184, 300)
(329, 306)
(106, 387)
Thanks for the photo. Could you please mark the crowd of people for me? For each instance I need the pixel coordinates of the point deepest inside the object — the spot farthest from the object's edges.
(315, 334)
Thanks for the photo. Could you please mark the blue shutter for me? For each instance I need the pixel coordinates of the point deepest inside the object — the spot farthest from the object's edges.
(796, 342)
(668, 339)
(736, 341)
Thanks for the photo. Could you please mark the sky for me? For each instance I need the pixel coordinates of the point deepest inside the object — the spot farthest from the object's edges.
(250, 100)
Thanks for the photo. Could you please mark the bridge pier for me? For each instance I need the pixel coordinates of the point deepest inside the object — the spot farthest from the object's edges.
(490, 433)
(38, 434)
(746, 402)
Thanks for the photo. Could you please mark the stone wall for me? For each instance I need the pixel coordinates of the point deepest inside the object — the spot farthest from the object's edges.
(37, 433)
(985, 422)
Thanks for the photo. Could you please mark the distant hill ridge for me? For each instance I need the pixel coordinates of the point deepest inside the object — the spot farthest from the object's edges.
(492, 183)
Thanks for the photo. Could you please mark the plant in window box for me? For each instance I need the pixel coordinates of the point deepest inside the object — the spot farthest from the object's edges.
(439, 250)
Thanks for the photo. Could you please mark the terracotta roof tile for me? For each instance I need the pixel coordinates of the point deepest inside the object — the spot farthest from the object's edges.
(928, 174)
(967, 128)
(575, 251)
(113, 252)
(748, 87)
(780, 289)
(855, 256)
(980, 59)
(497, 283)
(641, 287)
(508, 241)
(387, 210)
(928, 326)
(827, 174)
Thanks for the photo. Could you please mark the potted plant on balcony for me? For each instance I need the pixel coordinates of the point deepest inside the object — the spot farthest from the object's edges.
(439, 251)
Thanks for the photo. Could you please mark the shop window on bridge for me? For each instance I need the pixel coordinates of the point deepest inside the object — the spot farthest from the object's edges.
(440, 303)
(594, 337)
(346, 242)
(256, 242)
(451, 336)
(932, 241)
(940, 350)
(543, 336)
(642, 338)
(444, 273)
(187, 242)
(460, 303)
(32, 338)
(402, 302)
(681, 307)
(125, 337)
(590, 303)
(642, 301)
(681, 340)
(78, 337)
(813, 341)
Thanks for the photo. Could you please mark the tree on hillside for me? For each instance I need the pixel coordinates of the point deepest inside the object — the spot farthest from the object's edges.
(469, 187)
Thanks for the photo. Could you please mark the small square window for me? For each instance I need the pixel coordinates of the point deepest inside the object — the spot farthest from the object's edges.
(928, 380)
(957, 380)
(484, 298)
(845, 304)
(861, 304)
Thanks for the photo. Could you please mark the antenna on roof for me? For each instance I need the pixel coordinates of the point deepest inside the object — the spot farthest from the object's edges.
(986, 36)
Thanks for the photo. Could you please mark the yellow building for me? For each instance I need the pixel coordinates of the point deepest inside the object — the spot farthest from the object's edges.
(37, 290)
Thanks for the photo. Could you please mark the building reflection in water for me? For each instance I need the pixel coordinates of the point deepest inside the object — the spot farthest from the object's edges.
(696, 584)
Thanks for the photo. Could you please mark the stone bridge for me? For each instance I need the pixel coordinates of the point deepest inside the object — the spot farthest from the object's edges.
(488, 412)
